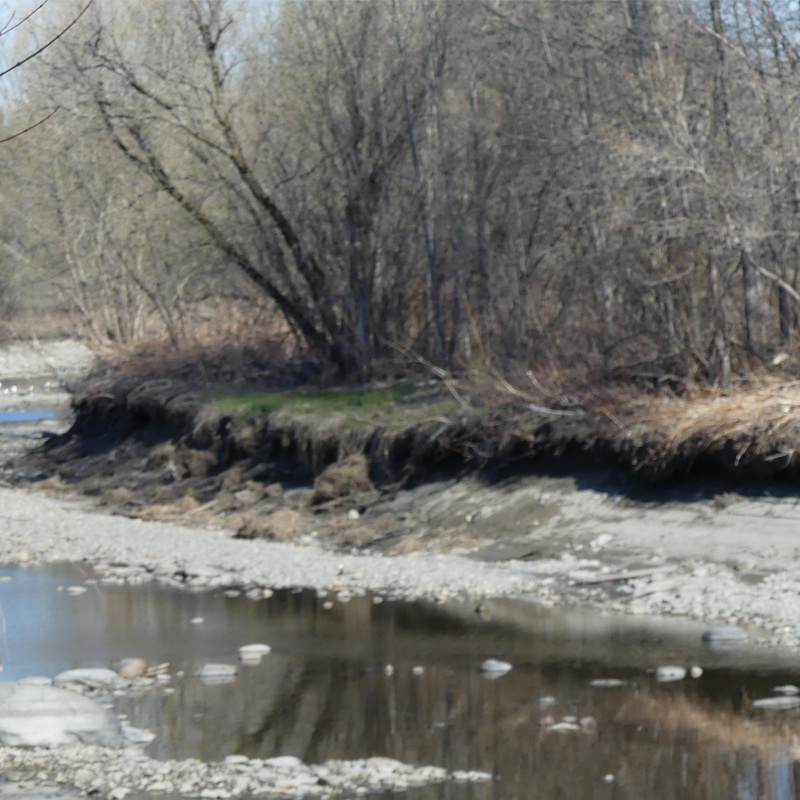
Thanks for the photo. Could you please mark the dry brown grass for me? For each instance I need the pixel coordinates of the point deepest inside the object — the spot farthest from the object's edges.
(236, 342)
(765, 414)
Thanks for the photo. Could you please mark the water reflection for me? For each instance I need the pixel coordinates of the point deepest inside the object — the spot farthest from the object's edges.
(324, 691)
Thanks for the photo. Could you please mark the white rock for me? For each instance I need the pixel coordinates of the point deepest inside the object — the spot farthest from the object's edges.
(217, 671)
(196, 620)
(725, 633)
(777, 703)
(75, 590)
(669, 673)
(353, 515)
(94, 677)
(283, 762)
(696, 671)
(493, 667)
(249, 650)
(788, 689)
(45, 716)
(606, 683)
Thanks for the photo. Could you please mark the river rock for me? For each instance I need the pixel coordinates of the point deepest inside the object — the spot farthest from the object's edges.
(131, 668)
(777, 703)
(788, 689)
(93, 677)
(45, 716)
(251, 654)
(725, 633)
(254, 649)
(283, 762)
(606, 683)
(217, 672)
(493, 668)
(669, 673)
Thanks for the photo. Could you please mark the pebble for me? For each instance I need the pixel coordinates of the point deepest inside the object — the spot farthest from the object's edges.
(493, 667)
(75, 590)
(606, 683)
(131, 668)
(777, 703)
(725, 633)
(670, 673)
(353, 515)
(216, 671)
(196, 620)
(696, 672)
(418, 670)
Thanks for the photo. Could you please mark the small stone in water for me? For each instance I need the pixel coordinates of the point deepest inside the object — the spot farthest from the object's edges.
(670, 673)
(494, 667)
(353, 515)
(777, 703)
(788, 689)
(608, 778)
(216, 671)
(196, 620)
(547, 700)
(254, 650)
(131, 668)
(606, 683)
(75, 589)
(418, 670)
(232, 593)
(696, 671)
(725, 633)
(388, 670)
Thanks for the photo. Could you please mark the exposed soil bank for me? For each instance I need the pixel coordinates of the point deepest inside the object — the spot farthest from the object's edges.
(590, 537)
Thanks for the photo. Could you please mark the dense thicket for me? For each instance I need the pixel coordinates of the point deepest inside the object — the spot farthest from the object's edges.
(608, 182)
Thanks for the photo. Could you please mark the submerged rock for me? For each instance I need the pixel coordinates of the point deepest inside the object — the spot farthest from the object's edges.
(788, 689)
(606, 683)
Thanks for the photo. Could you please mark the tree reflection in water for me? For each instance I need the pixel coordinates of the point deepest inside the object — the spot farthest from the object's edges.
(323, 692)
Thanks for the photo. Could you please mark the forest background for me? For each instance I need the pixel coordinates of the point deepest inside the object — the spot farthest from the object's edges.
(603, 188)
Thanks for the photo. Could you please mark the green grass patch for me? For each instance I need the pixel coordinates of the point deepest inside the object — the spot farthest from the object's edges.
(323, 401)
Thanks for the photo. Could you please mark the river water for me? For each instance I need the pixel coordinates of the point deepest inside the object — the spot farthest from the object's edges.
(402, 680)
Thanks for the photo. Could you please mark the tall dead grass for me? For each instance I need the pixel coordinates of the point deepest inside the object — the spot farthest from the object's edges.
(764, 414)
(235, 342)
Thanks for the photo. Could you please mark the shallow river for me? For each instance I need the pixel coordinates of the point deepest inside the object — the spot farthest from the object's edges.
(325, 691)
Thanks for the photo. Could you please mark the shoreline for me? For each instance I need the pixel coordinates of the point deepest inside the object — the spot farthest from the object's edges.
(201, 497)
